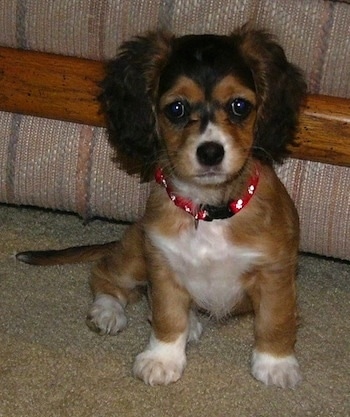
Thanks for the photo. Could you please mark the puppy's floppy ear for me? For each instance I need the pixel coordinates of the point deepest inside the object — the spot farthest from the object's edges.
(128, 91)
(280, 89)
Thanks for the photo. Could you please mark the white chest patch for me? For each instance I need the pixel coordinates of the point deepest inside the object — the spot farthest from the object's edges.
(208, 265)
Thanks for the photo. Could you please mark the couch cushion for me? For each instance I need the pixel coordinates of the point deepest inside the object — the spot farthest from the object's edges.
(69, 167)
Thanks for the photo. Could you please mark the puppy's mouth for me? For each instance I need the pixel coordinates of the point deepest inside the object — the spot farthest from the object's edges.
(211, 176)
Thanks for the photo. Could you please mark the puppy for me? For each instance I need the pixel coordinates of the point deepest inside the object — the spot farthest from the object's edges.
(209, 115)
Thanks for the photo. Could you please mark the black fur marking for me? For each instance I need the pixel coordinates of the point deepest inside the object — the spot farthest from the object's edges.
(280, 89)
(126, 100)
(205, 59)
(149, 66)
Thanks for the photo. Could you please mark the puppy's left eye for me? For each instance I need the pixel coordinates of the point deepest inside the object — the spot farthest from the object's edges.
(176, 110)
(239, 108)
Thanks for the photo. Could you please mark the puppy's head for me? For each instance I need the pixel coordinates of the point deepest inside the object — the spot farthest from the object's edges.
(201, 105)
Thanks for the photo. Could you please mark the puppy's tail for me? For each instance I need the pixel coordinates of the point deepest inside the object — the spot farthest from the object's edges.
(71, 255)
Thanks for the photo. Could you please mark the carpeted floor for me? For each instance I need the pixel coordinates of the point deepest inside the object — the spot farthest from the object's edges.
(52, 365)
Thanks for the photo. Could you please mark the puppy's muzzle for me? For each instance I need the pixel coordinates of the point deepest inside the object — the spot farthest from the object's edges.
(210, 153)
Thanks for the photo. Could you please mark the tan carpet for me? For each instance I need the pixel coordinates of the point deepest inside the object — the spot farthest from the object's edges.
(52, 365)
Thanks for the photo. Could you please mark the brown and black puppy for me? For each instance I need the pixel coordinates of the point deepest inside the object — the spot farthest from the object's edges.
(209, 114)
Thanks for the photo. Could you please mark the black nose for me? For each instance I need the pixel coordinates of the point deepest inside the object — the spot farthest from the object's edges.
(210, 153)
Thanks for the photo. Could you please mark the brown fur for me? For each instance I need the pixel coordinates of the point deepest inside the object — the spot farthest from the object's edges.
(267, 226)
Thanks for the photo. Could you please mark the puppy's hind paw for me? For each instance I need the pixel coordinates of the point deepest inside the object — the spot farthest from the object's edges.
(106, 315)
(280, 371)
(195, 328)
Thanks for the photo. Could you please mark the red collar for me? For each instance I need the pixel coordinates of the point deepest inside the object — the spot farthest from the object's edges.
(208, 212)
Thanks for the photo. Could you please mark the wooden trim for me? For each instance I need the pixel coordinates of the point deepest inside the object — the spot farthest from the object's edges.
(65, 88)
(52, 86)
(324, 130)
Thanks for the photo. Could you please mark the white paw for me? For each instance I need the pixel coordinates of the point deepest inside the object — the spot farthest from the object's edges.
(195, 328)
(106, 315)
(161, 363)
(271, 370)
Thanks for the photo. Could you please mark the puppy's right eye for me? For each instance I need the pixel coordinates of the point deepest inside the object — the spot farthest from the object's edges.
(176, 110)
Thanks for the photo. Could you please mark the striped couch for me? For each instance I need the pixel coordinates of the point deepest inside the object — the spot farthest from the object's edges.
(68, 166)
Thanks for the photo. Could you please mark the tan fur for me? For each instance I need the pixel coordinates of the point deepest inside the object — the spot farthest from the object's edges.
(122, 272)
(236, 265)
(272, 278)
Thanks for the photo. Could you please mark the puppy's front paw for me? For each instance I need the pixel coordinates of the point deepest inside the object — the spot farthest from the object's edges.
(106, 315)
(161, 363)
(283, 372)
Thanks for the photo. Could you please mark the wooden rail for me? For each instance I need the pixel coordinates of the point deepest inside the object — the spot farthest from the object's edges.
(324, 130)
(65, 88)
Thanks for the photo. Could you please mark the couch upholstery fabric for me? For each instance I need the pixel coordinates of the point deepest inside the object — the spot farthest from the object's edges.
(69, 167)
